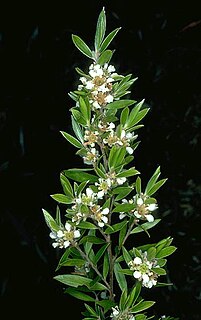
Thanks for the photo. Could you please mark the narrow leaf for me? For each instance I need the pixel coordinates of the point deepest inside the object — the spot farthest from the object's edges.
(82, 46)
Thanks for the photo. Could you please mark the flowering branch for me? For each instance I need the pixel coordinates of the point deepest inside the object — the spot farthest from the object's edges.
(102, 202)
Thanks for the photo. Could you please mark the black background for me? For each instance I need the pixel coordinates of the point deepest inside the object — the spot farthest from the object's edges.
(160, 43)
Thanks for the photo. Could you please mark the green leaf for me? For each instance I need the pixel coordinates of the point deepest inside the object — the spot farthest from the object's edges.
(100, 253)
(76, 281)
(121, 192)
(133, 114)
(127, 272)
(108, 39)
(128, 173)
(159, 271)
(51, 223)
(157, 186)
(138, 185)
(73, 262)
(79, 295)
(81, 187)
(87, 225)
(105, 57)
(123, 299)
(151, 253)
(165, 252)
(77, 129)
(115, 227)
(91, 310)
(145, 226)
(153, 179)
(106, 266)
(61, 198)
(100, 30)
(71, 139)
(126, 255)
(120, 104)
(142, 305)
(134, 294)
(84, 109)
(80, 175)
(121, 279)
(67, 188)
(106, 304)
(92, 239)
(124, 116)
(124, 207)
(81, 45)
(122, 234)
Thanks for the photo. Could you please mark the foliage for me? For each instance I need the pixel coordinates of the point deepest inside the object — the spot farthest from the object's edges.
(105, 203)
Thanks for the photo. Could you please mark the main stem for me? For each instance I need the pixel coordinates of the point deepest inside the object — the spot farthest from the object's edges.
(109, 249)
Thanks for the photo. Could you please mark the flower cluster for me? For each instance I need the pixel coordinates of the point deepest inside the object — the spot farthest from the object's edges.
(143, 209)
(123, 140)
(104, 185)
(142, 268)
(121, 315)
(99, 84)
(86, 206)
(64, 237)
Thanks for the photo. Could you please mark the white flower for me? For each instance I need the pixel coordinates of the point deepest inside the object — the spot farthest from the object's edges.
(137, 260)
(137, 274)
(99, 215)
(111, 68)
(143, 210)
(89, 85)
(115, 312)
(109, 98)
(89, 198)
(120, 181)
(129, 150)
(152, 207)
(142, 268)
(65, 236)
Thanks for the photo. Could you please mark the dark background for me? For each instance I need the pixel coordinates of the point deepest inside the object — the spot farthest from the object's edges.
(160, 43)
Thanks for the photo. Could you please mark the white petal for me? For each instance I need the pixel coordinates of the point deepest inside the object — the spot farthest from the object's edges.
(83, 80)
(129, 150)
(111, 125)
(149, 217)
(137, 214)
(60, 234)
(123, 133)
(109, 98)
(122, 215)
(89, 85)
(111, 68)
(66, 243)
(76, 234)
(89, 191)
(140, 201)
(145, 277)
(124, 200)
(100, 194)
(96, 105)
(110, 80)
(104, 219)
(137, 274)
(137, 260)
(55, 244)
(101, 224)
(105, 211)
(53, 235)
(68, 226)
(152, 207)
(92, 73)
